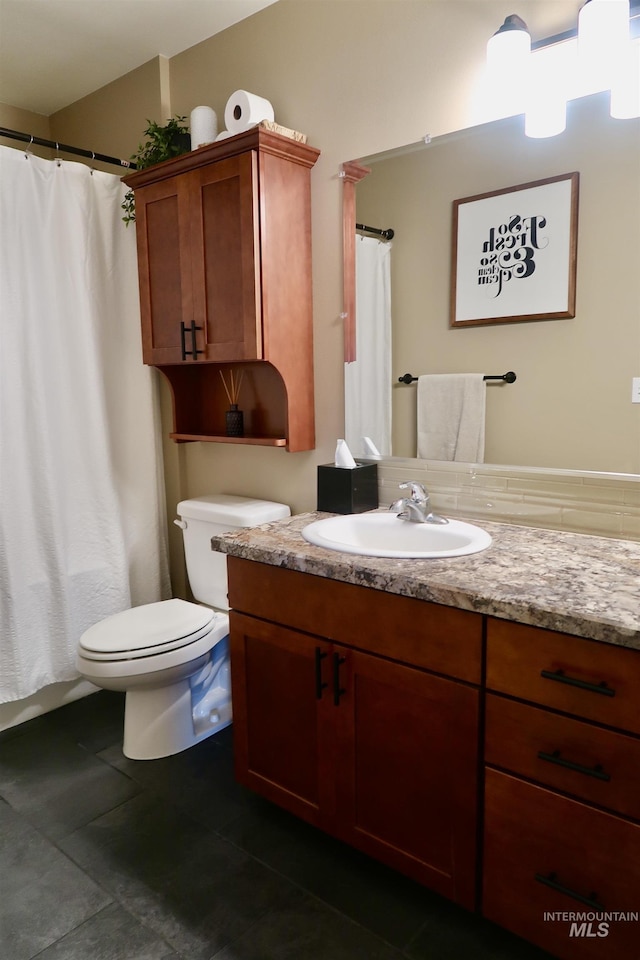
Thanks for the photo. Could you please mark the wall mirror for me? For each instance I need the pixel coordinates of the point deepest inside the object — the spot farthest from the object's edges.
(571, 405)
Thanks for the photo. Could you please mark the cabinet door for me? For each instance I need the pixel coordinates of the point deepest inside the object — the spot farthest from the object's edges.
(164, 270)
(407, 770)
(225, 259)
(560, 873)
(281, 717)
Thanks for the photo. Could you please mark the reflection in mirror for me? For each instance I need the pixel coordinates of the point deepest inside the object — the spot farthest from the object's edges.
(570, 407)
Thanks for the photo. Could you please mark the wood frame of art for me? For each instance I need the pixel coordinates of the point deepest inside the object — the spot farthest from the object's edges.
(514, 253)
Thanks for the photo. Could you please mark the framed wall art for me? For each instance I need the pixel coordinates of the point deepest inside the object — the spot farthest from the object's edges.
(514, 253)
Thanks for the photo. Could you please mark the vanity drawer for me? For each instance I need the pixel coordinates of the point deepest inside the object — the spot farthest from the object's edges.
(595, 764)
(428, 635)
(598, 681)
(546, 854)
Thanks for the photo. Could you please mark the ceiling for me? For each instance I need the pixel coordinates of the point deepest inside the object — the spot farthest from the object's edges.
(53, 52)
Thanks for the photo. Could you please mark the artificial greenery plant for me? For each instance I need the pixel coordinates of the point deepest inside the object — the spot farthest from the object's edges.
(162, 143)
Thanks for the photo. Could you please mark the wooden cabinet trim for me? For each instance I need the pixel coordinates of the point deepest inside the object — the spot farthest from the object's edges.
(253, 139)
(352, 173)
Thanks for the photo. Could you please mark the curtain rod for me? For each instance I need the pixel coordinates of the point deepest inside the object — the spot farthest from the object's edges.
(65, 148)
(387, 234)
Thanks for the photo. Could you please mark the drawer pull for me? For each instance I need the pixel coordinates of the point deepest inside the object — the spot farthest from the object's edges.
(552, 881)
(337, 689)
(561, 677)
(320, 686)
(555, 757)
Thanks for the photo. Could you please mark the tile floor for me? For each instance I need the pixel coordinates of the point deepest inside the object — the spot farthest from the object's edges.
(105, 858)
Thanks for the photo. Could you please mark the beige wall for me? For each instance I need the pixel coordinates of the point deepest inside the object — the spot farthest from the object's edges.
(24, 121)
(357, 76)
(112, 120)
(571, 405)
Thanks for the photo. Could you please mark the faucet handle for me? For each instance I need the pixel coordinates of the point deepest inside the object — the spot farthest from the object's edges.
(418, 491)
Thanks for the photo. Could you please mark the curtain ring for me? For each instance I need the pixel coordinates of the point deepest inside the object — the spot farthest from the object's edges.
(27, 151)
(58, 160)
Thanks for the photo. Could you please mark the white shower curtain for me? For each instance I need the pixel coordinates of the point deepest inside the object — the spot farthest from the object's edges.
(82, 515)
(368, 377)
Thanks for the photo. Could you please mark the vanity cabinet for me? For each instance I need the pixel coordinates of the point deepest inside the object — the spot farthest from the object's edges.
(562, 791)
(359, 711)
(224, 260)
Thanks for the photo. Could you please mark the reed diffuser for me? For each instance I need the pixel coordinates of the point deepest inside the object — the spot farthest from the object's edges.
(234, 416)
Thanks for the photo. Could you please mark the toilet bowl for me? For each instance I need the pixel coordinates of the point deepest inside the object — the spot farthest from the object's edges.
(171, 658)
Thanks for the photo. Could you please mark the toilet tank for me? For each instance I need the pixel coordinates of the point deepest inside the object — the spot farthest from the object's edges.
(203, 517)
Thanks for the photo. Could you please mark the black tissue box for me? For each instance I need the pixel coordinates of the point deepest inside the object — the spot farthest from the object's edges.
(344, 490)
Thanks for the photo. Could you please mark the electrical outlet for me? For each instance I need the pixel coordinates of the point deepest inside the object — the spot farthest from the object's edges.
(635, 390)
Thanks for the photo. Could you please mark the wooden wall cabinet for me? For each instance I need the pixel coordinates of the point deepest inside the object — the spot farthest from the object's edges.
(224, 258)
(562, 791)
(342, 717)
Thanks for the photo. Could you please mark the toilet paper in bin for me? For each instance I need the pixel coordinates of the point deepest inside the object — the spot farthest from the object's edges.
(245, 110)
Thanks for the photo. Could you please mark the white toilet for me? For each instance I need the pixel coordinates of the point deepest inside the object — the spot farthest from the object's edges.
(172, 657)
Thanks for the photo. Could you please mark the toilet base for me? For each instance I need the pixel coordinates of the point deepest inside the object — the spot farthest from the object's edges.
(161, 721)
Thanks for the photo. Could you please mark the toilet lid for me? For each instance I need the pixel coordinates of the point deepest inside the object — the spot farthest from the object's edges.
(148, 629)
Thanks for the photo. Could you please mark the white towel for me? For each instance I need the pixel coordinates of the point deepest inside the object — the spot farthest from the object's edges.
(451, 414)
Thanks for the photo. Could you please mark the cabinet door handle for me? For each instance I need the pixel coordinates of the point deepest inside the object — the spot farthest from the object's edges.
(555, 757)
(183, 336)
(337, 689)
(561, 677)
(552, 881)
(194, 345)
(320, 686)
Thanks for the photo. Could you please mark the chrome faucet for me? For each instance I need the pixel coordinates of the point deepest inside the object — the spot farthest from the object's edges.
(415, 508)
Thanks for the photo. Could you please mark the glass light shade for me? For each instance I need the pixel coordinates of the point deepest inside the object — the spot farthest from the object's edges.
(509, 48)
(546, 117)
(546, 100)
(625, 85)
(603, 33)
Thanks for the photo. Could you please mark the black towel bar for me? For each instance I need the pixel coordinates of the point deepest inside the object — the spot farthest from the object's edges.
(509, 377)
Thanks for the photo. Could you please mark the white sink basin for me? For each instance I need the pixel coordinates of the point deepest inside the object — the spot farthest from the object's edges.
(384, 535)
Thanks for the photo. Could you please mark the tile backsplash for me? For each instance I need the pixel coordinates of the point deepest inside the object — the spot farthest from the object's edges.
(602, 504)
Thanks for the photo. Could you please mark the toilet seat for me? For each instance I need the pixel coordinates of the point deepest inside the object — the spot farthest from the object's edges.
(147, 631)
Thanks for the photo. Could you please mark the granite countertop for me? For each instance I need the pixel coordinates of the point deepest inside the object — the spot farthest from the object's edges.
(571, 582)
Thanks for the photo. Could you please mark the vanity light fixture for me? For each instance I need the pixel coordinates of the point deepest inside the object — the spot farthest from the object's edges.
(603, 53)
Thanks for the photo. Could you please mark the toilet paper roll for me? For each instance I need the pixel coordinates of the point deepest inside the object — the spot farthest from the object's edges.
(224, 134)
(244, 110)
(203, 124)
